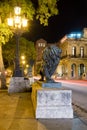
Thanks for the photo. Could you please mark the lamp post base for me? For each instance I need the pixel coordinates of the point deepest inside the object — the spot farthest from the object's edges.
(19, 84)
(18, 73)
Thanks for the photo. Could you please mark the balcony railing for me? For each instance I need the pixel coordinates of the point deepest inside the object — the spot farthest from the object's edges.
(73, 56)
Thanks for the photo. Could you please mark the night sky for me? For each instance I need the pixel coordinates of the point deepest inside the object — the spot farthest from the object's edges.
(72, 17)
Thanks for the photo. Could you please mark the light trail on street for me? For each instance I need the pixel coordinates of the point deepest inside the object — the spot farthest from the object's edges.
(79, 91)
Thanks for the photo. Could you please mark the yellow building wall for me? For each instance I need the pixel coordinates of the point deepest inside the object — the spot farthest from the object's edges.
(64, 67)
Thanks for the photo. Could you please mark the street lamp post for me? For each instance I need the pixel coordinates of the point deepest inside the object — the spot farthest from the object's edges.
(18, 24)
(17, 70)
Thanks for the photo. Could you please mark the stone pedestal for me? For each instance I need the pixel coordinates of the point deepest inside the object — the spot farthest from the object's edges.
(18, 84)
(54, 104)
(51, 102)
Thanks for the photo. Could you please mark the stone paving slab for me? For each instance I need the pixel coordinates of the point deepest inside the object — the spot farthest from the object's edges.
(17, 113)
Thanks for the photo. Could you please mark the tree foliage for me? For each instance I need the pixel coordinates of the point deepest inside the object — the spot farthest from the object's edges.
(43, 11)
(46, 9)
(7, 6)
(5, 33)
(26, 48)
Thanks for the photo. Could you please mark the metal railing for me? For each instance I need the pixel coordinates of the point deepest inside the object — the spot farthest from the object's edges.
(73, 56)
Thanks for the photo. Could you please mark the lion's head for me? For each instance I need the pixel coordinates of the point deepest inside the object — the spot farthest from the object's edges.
(51, 58)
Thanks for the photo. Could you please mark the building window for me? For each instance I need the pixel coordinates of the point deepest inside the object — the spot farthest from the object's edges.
(82, 51)
(74, 51)
(81, 69)
(41, 44)
(73, 70)
(66, 53)
(38, 44)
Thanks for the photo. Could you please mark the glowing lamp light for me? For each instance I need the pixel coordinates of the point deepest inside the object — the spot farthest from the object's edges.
(17, 20)
(22, 57)
(17, 10)
(23, 62)
(10, 21)
(27, 65)
(24, 22)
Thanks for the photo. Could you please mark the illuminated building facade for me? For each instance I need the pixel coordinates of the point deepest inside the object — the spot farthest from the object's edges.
(73, 63)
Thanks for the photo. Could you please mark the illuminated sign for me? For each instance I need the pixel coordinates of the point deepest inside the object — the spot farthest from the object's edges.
(74, 35)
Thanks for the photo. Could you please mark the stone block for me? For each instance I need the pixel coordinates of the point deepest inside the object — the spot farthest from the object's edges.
(54, 112)
(54, 97)
(54, 104)
(18, 84)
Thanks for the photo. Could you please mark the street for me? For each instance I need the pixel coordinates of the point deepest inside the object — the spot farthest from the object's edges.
(79, 96)
(16, 112)
(79, 91)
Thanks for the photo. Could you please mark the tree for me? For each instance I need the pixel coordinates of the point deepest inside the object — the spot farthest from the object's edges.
(46, 9)
(4, 37)
(43, 10)
(26, 48)
(9, 53)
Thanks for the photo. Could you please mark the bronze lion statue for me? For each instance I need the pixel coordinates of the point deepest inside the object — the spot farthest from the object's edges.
(51, 58)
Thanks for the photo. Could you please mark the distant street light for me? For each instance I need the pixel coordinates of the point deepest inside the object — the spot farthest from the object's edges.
(22, 57)
(17, 24)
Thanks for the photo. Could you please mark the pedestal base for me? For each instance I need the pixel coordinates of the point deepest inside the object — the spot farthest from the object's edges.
(54, 104)
(54, 112)
(52, 85)
(51, 102)
(18, 84)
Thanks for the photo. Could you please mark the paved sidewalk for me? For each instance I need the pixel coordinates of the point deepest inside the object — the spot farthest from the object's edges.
(16, 113)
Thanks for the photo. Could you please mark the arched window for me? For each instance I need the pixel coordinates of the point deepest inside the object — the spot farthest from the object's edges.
(74, 51)
(73, 70)
(81, 69)
(82, 51)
